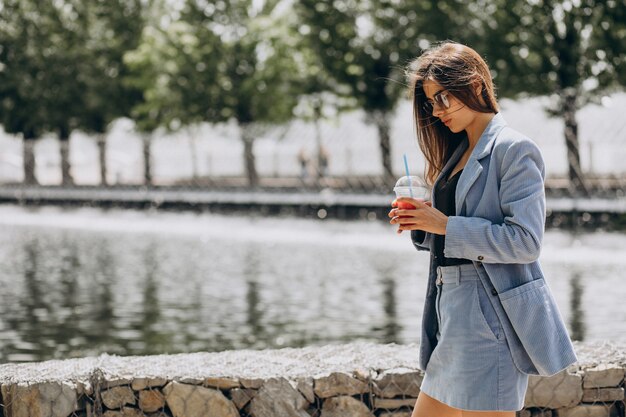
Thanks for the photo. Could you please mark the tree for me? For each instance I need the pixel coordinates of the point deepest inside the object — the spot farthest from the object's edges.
(112, 29)
(147, 73)
(21, 73)
(254, 84)
(62, 68)
(57, 41)
(572, 50)
(213, 62)
(365, 45)
(320, 96)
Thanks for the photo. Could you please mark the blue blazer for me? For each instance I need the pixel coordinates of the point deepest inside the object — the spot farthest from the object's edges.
(499, 225)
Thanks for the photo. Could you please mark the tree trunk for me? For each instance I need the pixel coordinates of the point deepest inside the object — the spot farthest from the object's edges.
(382, 123)
(28, 153)
(66, 175)
(101, 140)
(193, 148)
(147, 158)
(577, 183)
(317, 115)
(248, 155)
(319, 165)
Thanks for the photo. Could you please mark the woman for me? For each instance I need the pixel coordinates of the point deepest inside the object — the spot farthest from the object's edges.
(489, 317)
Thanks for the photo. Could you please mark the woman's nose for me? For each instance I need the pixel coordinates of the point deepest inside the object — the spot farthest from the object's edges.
(437, 112)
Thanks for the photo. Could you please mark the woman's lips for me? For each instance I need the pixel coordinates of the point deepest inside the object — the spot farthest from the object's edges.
(445, 122)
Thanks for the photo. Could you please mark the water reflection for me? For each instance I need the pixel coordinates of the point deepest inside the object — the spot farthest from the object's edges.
(577, 319)
(254, 312)
(392, 328)
(76, 292)
(33, 306)
(387, 276)
(103, 281)
(153, 339)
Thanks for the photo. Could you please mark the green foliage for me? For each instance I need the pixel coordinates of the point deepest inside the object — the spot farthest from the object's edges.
(365, 45)
(547, 46)
(61, 64)
(30, 59)
(111, 28)
(214, 62)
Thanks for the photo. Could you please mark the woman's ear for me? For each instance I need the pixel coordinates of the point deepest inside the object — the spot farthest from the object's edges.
(478, 88)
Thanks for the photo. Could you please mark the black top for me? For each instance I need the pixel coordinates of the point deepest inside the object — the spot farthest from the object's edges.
(444, 197)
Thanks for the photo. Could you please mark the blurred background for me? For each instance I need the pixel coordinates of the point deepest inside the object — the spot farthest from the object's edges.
(267, 96)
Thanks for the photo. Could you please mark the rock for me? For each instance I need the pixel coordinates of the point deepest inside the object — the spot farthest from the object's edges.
(242, 396)
(338, 383)
(252, 383)
(523, 413)
(604, 375)
(191, 381)
(343, 406)
(396, 414)
(592, 395)
(305, 386)
(117, 382)
(391, 403)
(118, 397)
(364, 375)
(588, 411)
(278, 398)
(222, 383)
(398, 382)
(47, 399)
(561, 390)
(139, 384)
(151, 400)
(124, 412)
(195, 401)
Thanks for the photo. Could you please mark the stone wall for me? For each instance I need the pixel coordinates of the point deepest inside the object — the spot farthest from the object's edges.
(352, 380)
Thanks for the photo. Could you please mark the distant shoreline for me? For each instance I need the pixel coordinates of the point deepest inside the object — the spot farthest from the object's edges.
(562, 211)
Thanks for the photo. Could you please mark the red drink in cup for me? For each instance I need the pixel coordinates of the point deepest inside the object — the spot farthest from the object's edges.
(404, 205)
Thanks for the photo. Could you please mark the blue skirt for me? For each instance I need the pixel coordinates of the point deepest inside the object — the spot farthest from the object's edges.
(471, 367)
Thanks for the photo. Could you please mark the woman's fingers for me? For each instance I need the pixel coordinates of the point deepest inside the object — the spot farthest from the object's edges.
(405, 220)
(406, 213)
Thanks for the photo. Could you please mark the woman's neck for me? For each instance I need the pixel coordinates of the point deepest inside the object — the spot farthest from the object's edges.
(477, 127)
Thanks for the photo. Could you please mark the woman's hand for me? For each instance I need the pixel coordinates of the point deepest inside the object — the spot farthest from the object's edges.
(423, 217)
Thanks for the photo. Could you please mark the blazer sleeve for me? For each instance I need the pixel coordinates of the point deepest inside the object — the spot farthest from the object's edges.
(522, 201)
(421, 239)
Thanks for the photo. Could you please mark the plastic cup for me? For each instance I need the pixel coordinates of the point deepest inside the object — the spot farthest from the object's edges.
(413, 187)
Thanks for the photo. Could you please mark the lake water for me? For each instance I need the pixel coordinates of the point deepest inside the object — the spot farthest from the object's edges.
(78, 282)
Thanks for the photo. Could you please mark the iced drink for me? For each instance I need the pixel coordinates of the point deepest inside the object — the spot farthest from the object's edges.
(413, 187)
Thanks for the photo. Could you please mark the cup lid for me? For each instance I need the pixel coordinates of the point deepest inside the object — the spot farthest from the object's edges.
(410, 181)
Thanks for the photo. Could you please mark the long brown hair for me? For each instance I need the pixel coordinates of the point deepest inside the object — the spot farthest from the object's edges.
(460, 70)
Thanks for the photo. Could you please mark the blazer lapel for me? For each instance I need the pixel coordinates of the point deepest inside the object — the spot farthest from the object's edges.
(470, 174)
(473, 168)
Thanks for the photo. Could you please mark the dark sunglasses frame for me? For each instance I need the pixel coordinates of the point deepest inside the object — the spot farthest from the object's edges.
(440, 100)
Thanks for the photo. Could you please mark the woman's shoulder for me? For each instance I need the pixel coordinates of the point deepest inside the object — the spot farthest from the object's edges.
(508, 137)
(511, 141)
(513, 151)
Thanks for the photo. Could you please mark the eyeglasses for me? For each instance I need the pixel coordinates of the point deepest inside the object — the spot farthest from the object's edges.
(440, 100)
